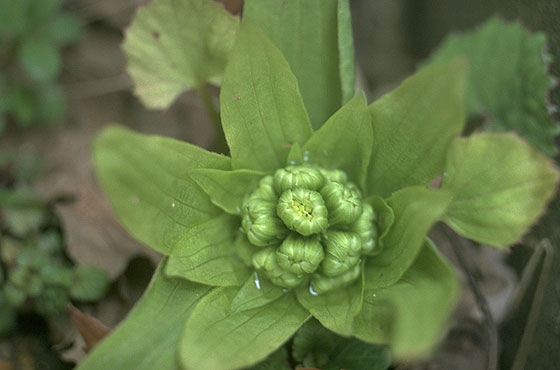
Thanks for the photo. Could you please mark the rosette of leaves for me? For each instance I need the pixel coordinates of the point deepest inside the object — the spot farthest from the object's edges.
(32, 32)
(246, 236)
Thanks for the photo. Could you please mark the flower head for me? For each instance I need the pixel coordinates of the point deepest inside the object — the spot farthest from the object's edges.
(314, 224)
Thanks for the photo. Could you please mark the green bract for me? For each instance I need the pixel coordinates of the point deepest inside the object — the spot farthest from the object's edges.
(314, 224)
(344, 209)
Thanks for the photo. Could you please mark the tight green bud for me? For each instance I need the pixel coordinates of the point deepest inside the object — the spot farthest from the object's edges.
(293, 177)
(343, 203)
(334, 176)
(342, 252)
(300, 254)
(265, 261)
(367, 230)
(261, 224)
(303, 210)
(266, 191)
(322, 284)
(306, 223)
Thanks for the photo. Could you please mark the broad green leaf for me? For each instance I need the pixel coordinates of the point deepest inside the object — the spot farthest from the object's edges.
(205, 254)
(40, 58)
(149, 336)
(346, 62)
(216, 338)
(146, 180)
(227, 189)
(315, 346)
(344, 142)
(507, 80)
(411, 314)
(307, 34)
(416, 209)
(262, 110)
(336, 309)
(500, 187)
(89, 284)
(176, 45)
(413, 126)
(255, 293)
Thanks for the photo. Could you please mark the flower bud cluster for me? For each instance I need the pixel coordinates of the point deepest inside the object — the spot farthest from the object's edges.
(311, 226)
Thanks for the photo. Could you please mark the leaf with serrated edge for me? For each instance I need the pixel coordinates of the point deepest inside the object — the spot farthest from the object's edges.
(507, 79)
(149, 336)
(416, 209)
(243, 338)
(344, 142)
(176, 45)
(413, 127)
(500, 187)
(306, 33)
(227, 189)
(206, 255)
(410, 314)
(262, 110)
(145, 178)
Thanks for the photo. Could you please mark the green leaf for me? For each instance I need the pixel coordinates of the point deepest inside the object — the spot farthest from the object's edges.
(315, 346)
(385, 218)
(227, 189)
(416, 209)
(89, 284)
(216, 338)
(344, 142)
(205, 254)
(411, 314)
(146, 180)
(336, 309)
(176, 45)
(346, 62)
(500, 187)
(262, 111)
(255, 293)
(507, 80)
(307, 34)
(40, 12)
(40, 59)
(413, 126)
(149, 336)
(64, 29)
(13, 16)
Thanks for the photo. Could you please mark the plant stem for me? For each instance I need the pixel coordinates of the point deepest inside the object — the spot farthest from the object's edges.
(491, 329)
(220, 144)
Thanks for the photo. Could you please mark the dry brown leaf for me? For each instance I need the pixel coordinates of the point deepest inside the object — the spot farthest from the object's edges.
(91, 330)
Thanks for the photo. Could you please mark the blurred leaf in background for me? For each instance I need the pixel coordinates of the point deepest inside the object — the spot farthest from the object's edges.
(32, 33)
(508, 80)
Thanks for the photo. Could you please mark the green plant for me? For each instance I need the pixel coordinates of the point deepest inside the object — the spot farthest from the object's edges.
(35, 273)
(31, 35)
(207, 307)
